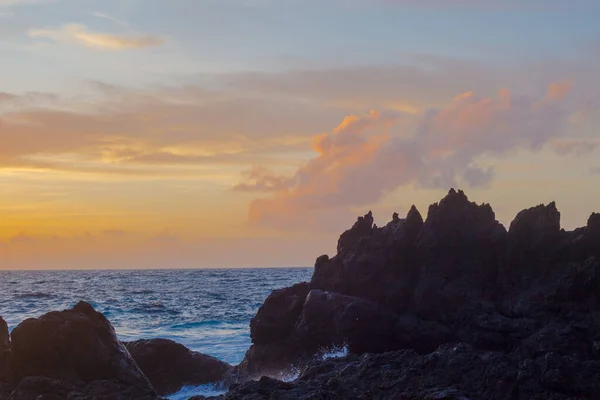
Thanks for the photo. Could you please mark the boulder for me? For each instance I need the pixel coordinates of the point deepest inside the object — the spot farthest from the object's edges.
(276, 318)
(334, 320)
(79, 349)
(169, 365)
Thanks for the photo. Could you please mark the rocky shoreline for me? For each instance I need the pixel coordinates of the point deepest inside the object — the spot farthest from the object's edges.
(451, 307)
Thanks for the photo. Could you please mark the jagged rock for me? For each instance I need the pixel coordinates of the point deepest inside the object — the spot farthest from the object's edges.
(4, 337)
(169, 365)
(525, 303)
(350, 239)
(79, 349)
(460, 251)
(534, 238)
(378, 265)
(585, 242)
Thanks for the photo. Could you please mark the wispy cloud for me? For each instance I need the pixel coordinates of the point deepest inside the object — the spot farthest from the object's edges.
(81, 35)
(5, 3)
(109, 17)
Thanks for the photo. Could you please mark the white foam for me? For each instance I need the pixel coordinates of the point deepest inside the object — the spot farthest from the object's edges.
(190, 391)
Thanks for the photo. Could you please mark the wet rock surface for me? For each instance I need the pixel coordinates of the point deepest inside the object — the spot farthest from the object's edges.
(169, 365)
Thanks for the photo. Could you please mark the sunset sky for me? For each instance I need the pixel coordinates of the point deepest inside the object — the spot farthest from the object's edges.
(231, 133)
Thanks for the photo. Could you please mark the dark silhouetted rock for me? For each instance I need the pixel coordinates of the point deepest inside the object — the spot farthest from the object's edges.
(276, 318)
(169, 366)
(524, 306)
(333, 320)
(374, 264)
(4, 337)
(453, 372)
(79, 349)
(39, 388)
(585, 242)
(5, 356)
(460, 251)
(350, 239)
(534, 237)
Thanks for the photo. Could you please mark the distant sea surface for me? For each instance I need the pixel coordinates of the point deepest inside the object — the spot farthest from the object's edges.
(206, 310)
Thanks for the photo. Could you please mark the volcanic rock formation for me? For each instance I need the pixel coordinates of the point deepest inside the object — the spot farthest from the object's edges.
(457, 307)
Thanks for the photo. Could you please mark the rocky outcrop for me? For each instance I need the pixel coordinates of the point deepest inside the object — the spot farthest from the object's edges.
(169, 365)
(74, 354)
(521, 306)
(334, 320)
(459, 251)
(376, 264)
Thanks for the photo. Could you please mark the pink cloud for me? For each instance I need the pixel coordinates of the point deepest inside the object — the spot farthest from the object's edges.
(368, 156)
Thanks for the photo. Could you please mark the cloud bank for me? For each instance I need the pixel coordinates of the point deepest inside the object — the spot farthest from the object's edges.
(367, 157)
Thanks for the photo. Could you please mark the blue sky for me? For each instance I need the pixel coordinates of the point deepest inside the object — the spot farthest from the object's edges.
(210, 36)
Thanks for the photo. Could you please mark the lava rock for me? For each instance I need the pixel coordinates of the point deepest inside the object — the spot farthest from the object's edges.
(169, 365)
(5, 356)
(376, 264)
(460, 249)
(453, 372)
(4, 337)
(523, 303)
(334, 320)
(276, 318)
(534, 238)
(79, 349)
(350, 240)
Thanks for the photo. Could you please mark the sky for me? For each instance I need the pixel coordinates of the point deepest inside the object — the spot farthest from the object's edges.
(251, 133)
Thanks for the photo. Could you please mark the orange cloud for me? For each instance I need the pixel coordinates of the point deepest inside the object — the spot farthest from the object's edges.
(366, 157)
(132, 132)
(559, 90)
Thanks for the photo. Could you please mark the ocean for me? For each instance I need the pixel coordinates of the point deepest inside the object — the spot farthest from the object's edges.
(207, 310)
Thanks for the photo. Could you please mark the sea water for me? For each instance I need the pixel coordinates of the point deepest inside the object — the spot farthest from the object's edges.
(207, 310)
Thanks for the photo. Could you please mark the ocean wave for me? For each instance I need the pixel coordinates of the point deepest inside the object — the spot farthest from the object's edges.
(197, 324)
(207, 316)
(154, 308)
